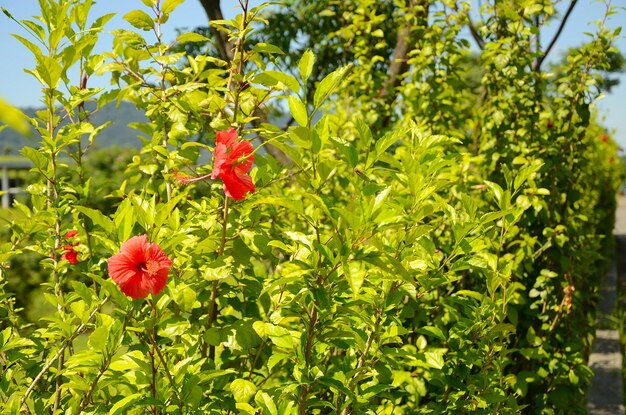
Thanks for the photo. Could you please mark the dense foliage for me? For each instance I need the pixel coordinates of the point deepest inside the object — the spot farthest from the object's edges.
(425, 235)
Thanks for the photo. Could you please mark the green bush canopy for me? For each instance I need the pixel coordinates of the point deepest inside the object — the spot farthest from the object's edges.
(338, 207)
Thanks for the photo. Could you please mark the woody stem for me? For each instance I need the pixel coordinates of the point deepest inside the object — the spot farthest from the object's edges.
(212, 312)
(152, 336)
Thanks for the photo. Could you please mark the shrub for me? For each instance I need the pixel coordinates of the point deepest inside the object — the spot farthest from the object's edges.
(433, 245)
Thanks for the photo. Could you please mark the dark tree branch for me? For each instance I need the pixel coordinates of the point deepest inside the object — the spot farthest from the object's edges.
(224, 45)
(472, 27)
(399, 65)
(226, 50)
(475, 34)
(540, 60)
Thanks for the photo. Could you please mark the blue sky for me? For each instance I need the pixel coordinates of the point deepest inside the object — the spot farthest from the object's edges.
(21, 89)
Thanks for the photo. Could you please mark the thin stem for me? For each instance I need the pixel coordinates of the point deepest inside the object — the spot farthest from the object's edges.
(94, 384)
(170, 378)
(368, 344)
(48, 365)
(240, 48)
(105, 365)
(220, 252)
(215, 288)
(164, 68)
(152, 337)
(81, 152)
(472, 27)
(308, 354)
(556, 36)
(53, 202)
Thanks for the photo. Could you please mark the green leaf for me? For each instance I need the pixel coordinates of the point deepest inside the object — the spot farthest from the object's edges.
(97, 218)
(242, 390)
(164, 211)
(212, 336)
(265, 401)
(305, 66)
(169, 5)
(139, 19)
(524, 174)
(38, 159)
(435, 358)
(279, 336)
(498, 192)
(121, 405)
(385, 142)
(348, 150)
(365, 134)
(301, 137)
(278, 80)
(433, 331)
(5, 335)
(98, 338)
(49, 70)
(35, 50)
(491, 216)
(168, 59)
(355, 274)
(298, 110)
(327, 86)
(469, 293)
(245, 408)
(192, 37)
(263, 47)
(292, 204)
(16, 342)
(124, 220)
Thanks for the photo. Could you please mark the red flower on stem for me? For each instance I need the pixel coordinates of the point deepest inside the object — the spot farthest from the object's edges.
(140, 268)
(70, 234)
(604, 138)
(232, 162)
(69, 253)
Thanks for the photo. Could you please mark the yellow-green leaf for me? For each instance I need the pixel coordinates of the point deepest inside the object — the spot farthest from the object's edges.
(139, 19)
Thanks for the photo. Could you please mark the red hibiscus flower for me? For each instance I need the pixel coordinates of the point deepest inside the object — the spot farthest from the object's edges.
(140, 267)
(233, 161)
(70, 255)
(70, 234)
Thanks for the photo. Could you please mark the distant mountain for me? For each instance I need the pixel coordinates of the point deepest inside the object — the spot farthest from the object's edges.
(116, 134)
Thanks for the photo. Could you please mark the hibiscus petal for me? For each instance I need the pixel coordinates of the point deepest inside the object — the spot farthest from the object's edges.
(157, 281)
(136, 287)
(236, 186)
(140, 267)
(240, 150)
(227, 137)
(219, 159)
(121, 268)
(155, 253)
(70, 234)
(135, 248)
